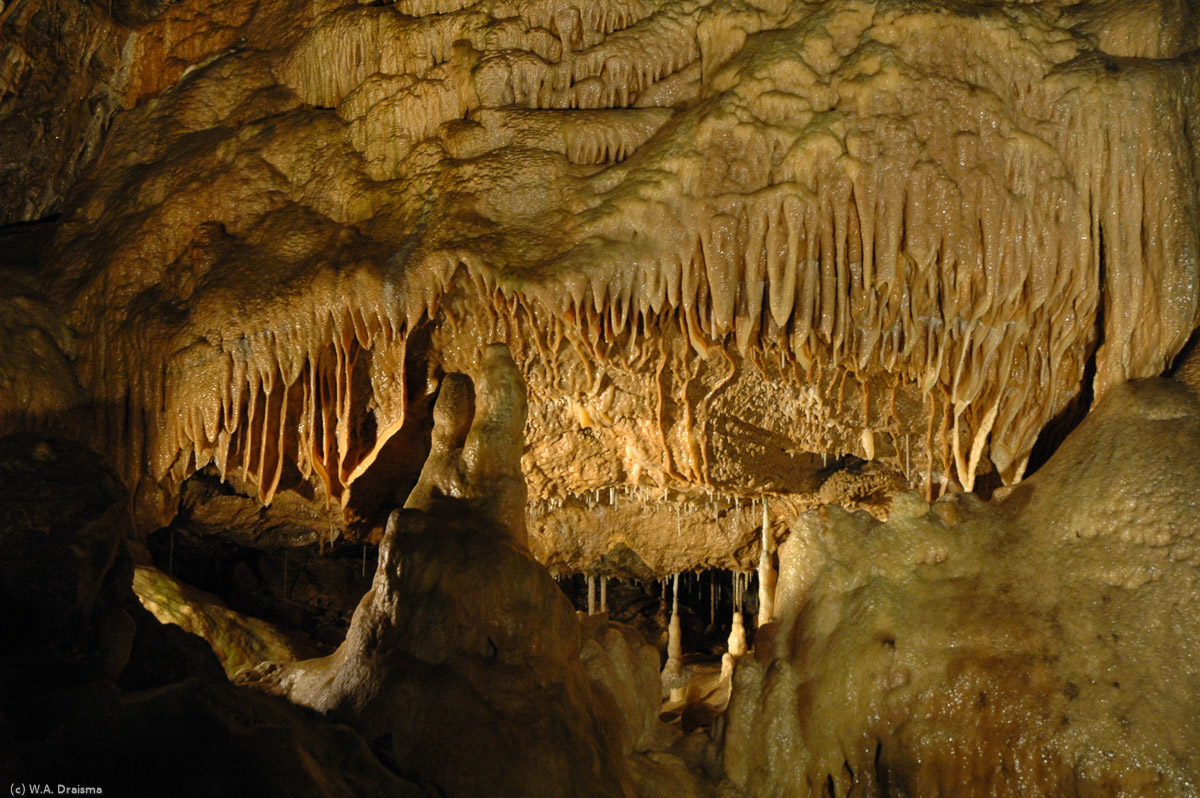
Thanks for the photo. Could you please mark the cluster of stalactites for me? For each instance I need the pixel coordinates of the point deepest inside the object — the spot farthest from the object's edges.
(298, 392)
(983, 295)
(807, 279)
(975, 270)
(278, 407)
(987, 295)
(596, 600)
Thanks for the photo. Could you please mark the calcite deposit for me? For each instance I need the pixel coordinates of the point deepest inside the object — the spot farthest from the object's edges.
(473, 294)
(1039, 645)
(465, 662)
(238, 641)
(98, 695)
(725, 242)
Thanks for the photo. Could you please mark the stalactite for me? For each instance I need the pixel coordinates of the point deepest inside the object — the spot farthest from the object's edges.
(837, 239)
(766, 573)
(712, 598)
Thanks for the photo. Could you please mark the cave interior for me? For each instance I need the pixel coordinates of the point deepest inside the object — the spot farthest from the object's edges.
(630, 398)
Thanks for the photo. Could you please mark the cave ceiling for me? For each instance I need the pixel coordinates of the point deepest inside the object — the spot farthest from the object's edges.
(814, 251)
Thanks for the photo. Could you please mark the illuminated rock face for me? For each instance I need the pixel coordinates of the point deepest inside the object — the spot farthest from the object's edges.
(238, 641)
(824, 251)
(464, 662)
(723, 242)
(1041, 645)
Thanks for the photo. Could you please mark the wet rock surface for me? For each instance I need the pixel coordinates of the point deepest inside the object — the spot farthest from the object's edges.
(724, 244)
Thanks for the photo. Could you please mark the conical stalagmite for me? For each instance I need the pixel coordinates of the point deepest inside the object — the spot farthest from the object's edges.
(673, 677)
(737, 634)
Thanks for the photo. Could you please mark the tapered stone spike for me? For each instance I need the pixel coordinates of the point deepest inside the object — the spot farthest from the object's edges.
(591, 593)
(672, 674)
(737, 634)
(674, 630)
(604, 594)
(766, 573)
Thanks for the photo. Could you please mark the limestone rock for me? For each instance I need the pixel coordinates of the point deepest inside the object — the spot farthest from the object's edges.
(237, 640)
(463, 662)
(1041, 645)
(724, 242)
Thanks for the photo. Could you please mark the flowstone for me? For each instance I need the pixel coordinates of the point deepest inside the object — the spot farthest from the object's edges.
(1043, 644)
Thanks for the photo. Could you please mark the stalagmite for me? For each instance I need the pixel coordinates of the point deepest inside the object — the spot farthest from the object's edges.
(1030, 645)
(673, 678)
(591, 595)
(766, 573)
(736, 643)
(604, 594)
(674, 634)
(737, 634)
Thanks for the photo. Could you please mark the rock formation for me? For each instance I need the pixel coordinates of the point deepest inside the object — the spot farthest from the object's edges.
(464, 662)
(470, 293)
(1039, 645)
(237, 640)
(98, 694)
(723, 242)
